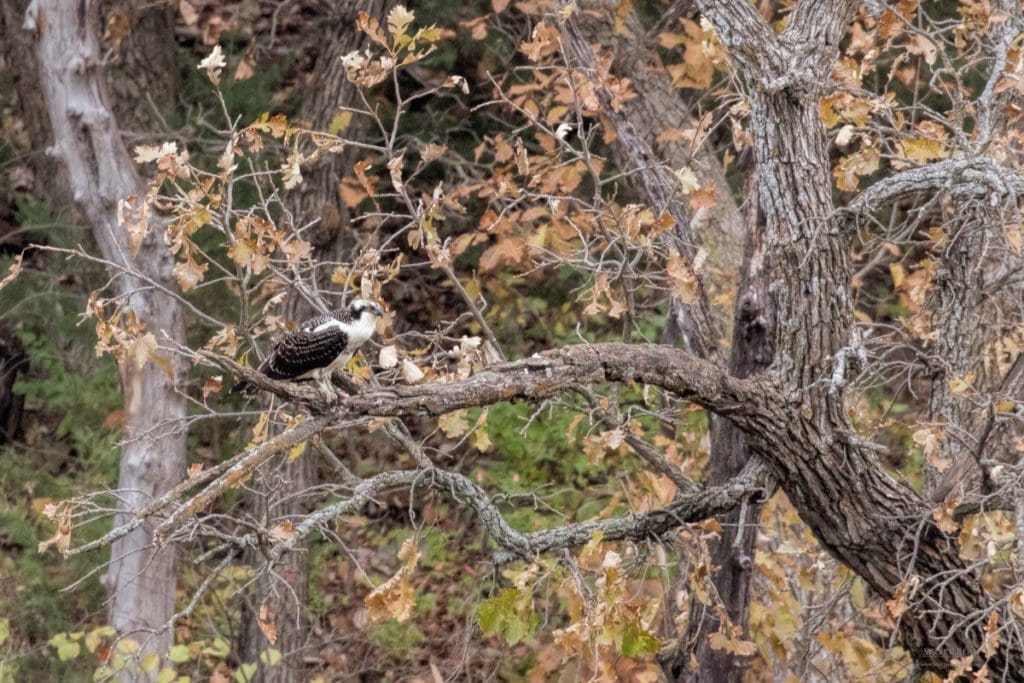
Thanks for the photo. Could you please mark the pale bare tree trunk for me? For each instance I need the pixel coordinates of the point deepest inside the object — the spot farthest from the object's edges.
(276, 494)
(141, 578)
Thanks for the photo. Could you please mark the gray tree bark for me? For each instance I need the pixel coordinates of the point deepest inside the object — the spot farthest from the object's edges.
(100, 172)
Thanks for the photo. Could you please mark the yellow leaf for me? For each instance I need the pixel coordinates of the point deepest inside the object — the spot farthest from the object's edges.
(670, 40)
(943, 516)
(843, 107)
(929, 439)
(850, 168)
(276, 126)
(1006, 406)
(688, 181)
(453, 424)
(959, 385)
(684, 279)
(919, 150)
(481, 440)
(898, 273)
(142, 349)
(259, 430)
(297, 450)
(241, 252)
(340, 122)
(720, 641)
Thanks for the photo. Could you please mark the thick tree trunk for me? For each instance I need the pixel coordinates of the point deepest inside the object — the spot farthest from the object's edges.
(659, 107)
(141, 578)
(143, 71)
(874, 524)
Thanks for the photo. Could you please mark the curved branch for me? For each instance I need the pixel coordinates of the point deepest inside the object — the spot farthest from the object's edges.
(541, 376)
(754, 481)
(547, 374)
(963, 177)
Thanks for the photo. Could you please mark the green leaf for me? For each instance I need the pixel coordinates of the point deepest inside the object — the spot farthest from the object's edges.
(510, 614)
(453, 424)
(637, 641)
(166, 675)
(218, 648)
(68, 650)
(150, 662)
(179, 654)
(5, 630)
(245, 673)
(270, 656)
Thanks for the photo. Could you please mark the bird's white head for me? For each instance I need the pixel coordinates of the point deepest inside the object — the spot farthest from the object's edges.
(362, 317)
(364, 310)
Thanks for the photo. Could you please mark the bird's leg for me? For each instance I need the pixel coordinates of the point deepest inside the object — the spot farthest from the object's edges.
(323, 380)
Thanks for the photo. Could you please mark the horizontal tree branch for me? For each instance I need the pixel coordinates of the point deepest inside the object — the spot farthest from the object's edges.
(963, 177)
(541, 376)
(563, 369)
(755, 481)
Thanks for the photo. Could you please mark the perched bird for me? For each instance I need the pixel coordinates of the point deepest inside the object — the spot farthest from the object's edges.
(320, 345)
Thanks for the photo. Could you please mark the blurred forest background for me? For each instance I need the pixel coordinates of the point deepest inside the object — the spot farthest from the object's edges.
(491, 139)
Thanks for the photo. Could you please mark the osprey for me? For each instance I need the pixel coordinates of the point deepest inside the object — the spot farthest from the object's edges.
(321, 345)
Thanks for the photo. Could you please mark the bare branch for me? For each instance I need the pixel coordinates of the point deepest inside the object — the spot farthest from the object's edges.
(962, 177)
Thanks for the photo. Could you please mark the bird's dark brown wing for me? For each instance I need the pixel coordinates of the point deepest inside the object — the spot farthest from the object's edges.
(302, 351)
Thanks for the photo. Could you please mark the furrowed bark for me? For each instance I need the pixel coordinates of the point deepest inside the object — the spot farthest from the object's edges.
(875, 525)
(141, 580)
